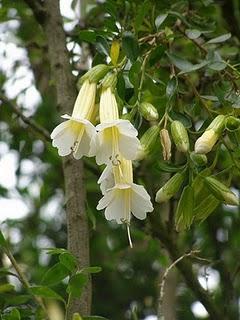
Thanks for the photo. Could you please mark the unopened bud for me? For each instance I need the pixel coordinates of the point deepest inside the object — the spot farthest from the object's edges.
(110, 80)
(114, 52)
(232, 123)
(148, 111)
(198, 159)
(205, 143)
(221, 192)
(147, 142)
(96, 73)
(170, 188)
(217, 124)
(76, 316)
(166, 144)
(180, 136)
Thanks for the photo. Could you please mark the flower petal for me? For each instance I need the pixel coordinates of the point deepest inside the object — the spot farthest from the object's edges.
(128, 146)
(140, 202)
(64, 141)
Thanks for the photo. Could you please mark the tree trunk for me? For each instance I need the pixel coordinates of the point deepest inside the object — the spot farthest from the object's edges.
(78, 234)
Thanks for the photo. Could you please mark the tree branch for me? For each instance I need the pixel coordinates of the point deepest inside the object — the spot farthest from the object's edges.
(184, 266)
(77, 222)
(30, 122)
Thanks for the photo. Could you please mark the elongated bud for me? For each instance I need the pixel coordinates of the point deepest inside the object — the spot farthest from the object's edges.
(110, 80)
(232, 123)
(180, 136)
(198, 159)
(148, 141)
(166, 144)
(205, 143)
(221, 192)
(184, 213)
(148, 111)
(170, 188)
(114, 52)
(76, 316)
(217, 124)
(96, 73)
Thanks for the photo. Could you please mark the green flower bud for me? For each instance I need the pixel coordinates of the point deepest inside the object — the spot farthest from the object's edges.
(205, 143)
(96, 73)
(170, 188)
(76, 316)
(148, 141)
(148, 111)
(232, 123)
(166, 144)
(217, 124)
(180, 136)
(221, 192)
(110, 80)
(198, 159)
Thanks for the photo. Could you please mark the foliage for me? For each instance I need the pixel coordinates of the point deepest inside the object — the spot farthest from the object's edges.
(181, 58)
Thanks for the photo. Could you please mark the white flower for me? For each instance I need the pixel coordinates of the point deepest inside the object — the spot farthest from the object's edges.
(125, 197)
(77, 135)
(114, 137)
(106, 179)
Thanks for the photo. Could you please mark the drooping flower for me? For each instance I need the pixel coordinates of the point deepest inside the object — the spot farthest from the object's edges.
(77, 134)
(115, 136)
(125, 197)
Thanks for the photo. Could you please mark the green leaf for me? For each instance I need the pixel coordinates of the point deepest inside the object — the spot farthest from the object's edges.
(94, 318)
(55, 274)
(220, 39)
(14, 315)
(55, 250)
(167, 167)
(182, 117)
(102, 46)
(171, 88)
(130, 46)
(156, 55)
(184, 65)
(6, 287)
(87, 36)
(184, 213)
(142, 11)
(76, 284)
(3, 242)
(134, 74)
(160, 19)
(193, 33)
(91, 269)
(68, 260)
(45, 292)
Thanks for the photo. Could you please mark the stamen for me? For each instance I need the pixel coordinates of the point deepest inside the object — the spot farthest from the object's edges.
(129, 236)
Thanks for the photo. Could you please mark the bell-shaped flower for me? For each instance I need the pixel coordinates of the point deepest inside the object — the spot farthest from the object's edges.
(125, 197)
(115, 136)
(77, 135)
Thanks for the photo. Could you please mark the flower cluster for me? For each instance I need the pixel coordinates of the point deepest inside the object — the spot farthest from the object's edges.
(113, 141)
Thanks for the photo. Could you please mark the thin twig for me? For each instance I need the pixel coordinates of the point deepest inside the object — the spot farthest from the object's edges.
(23, 279)
(30, 122)
(164, 278)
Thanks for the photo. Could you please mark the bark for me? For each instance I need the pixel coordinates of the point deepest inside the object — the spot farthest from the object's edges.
(77, 224)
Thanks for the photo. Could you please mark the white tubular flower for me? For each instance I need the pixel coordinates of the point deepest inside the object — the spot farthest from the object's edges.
(115, 135)
(125, 197)
(77, 135)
